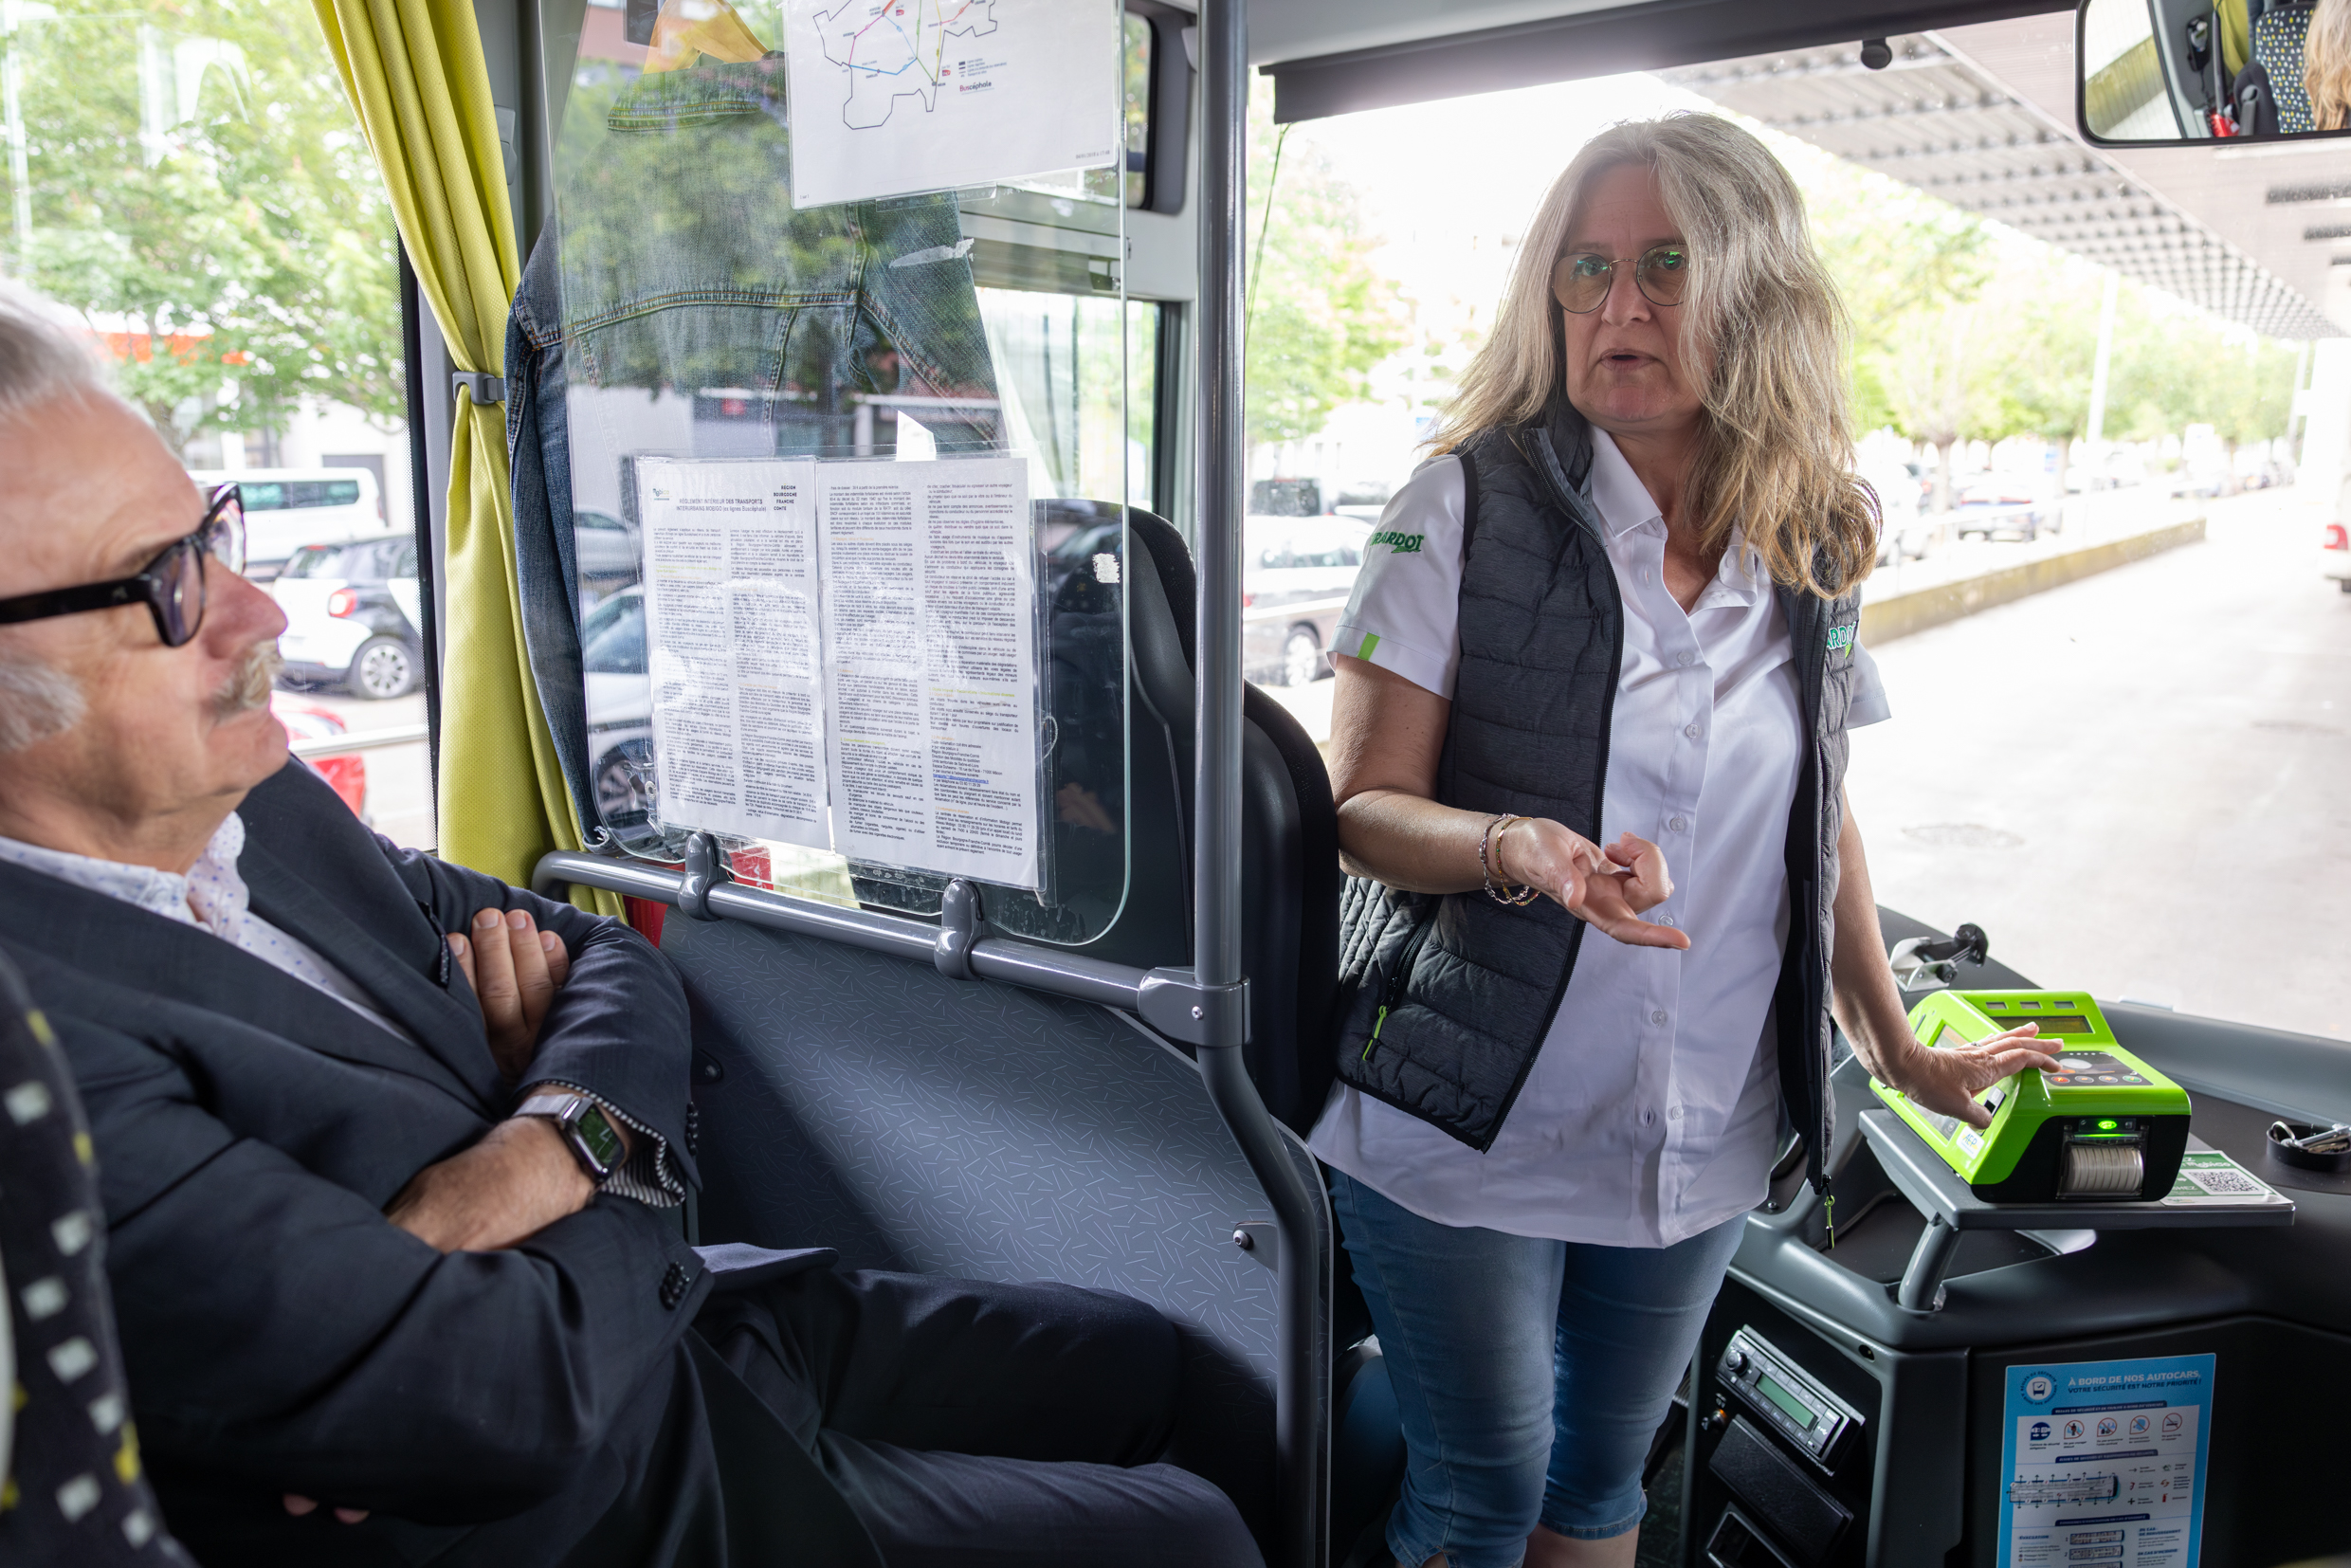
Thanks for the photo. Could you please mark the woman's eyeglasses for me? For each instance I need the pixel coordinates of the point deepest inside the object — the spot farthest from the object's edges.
(171, 585)
(1581, 282)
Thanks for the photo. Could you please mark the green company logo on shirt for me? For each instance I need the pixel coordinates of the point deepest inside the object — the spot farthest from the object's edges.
(1840, 638)
(1403, 544)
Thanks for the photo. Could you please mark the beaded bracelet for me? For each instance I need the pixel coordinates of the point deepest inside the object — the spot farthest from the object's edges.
(1502, 892)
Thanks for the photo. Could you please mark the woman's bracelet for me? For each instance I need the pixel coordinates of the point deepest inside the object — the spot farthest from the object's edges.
(1499, 892)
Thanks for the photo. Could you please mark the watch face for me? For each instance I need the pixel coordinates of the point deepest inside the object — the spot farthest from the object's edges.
(599, 1137)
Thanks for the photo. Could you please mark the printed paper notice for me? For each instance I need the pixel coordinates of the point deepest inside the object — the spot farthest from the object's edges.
(731, 646)
(891, 96)
(930, 668)
(2102, 1463)
(2209, 1179)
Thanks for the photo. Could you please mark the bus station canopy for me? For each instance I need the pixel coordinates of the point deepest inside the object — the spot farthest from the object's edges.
(1982, 117)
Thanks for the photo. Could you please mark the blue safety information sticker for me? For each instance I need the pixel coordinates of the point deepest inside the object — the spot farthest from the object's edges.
(2104, 1463)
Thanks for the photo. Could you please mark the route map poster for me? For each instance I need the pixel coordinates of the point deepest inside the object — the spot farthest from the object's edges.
(893, 96)
(2101, 1462)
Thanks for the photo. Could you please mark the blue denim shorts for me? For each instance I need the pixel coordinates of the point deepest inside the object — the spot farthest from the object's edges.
(1530, 1374)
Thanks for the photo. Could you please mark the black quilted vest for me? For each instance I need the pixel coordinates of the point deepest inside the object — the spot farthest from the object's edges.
(1445, 1000)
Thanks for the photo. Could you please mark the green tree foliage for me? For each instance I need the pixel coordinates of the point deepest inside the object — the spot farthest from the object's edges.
(1322, 314)
(1910, 267)
(1965, 330)
(200, 191)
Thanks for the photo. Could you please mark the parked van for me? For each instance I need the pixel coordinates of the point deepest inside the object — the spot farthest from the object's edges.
(286, 508)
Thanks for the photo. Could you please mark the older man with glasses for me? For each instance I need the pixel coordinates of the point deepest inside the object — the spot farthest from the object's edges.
(391, 1151)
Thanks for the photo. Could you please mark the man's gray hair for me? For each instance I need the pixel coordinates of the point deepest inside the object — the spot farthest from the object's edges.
(36, 701)
(41, 358)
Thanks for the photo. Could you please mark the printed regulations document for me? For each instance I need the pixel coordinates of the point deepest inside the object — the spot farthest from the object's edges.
(930, 667)
(892, 97)
(844, 655)
(731, 646)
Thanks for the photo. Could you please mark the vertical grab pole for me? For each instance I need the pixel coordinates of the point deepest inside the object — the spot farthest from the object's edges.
(1216, 853)
(1303, 1369)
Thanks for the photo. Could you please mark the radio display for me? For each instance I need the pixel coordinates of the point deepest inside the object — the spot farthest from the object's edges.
(1789, 1405)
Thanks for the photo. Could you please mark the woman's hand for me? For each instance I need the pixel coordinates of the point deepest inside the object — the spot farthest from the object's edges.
(1947, 1078)
(1607, 889)
(1942, 1079)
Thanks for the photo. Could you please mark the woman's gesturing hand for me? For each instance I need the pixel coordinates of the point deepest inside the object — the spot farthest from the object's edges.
(1607, 889)
(1947, 1078)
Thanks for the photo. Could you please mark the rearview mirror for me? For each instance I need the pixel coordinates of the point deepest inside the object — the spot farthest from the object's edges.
(2172, 73)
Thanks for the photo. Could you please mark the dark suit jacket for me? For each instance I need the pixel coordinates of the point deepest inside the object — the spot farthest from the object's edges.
(544, 1404)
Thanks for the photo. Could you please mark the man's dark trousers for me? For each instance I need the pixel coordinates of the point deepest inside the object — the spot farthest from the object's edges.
(969, 1426)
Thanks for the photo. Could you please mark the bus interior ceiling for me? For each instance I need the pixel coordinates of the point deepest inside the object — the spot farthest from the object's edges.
(938, 1095)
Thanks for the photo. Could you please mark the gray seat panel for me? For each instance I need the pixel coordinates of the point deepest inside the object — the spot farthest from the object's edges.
(961, 1127)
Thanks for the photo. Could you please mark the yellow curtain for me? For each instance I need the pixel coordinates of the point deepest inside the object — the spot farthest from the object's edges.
(414, 73)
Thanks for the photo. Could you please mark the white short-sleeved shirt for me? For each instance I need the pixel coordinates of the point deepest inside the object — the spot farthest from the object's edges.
(1651, 1112)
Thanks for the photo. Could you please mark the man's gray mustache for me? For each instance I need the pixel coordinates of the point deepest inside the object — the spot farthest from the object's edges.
(249, 686)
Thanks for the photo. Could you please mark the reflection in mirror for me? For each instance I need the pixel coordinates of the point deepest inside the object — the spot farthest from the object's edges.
(2172, 72)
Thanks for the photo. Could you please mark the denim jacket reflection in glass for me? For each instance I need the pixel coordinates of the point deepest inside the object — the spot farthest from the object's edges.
(678, 304)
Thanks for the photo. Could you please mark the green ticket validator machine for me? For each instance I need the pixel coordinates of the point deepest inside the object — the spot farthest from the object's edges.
(2106, 1127)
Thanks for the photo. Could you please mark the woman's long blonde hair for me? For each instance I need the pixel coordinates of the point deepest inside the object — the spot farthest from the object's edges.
(2327, 63)
(1761, 321)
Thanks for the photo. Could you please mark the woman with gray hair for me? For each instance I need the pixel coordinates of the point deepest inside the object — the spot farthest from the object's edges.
(1608, 629)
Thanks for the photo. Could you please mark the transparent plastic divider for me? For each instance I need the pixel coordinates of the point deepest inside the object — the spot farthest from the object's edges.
(703, 318)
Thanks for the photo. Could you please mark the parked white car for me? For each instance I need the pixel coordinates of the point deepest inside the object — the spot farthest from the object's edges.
(1296, 577)
(1904, 532)
(351, 612)
(286, 508)
(604, 548)
(620, 707)
(2335, 555)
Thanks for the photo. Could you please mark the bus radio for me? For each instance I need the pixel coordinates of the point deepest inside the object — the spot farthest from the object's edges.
(2104, 1125)
(1787, 1398)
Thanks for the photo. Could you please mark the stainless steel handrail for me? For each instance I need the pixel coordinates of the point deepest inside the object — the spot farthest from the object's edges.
(1005, 959)
(1303, 1362)
(367, 740)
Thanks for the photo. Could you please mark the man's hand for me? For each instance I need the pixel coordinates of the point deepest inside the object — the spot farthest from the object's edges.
(514, 969)
(517, 1181)
(302, 1507)
(1607, 889)
(1947, 1078)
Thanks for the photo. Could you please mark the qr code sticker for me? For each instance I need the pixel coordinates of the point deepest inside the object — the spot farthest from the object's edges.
(2219, 1182)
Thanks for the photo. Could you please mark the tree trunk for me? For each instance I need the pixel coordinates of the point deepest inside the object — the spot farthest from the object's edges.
(2065, 461)
(1942, 475)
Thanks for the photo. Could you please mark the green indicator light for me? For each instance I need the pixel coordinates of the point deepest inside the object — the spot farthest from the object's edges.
(2109, 1125)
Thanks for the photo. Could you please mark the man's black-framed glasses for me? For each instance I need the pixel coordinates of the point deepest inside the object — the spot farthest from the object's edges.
(1581, 280)
(171, 586)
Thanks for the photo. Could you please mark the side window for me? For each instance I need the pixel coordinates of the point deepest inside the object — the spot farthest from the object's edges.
(321, 492)
(406, 565)
(615, 642)
(265, 497)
